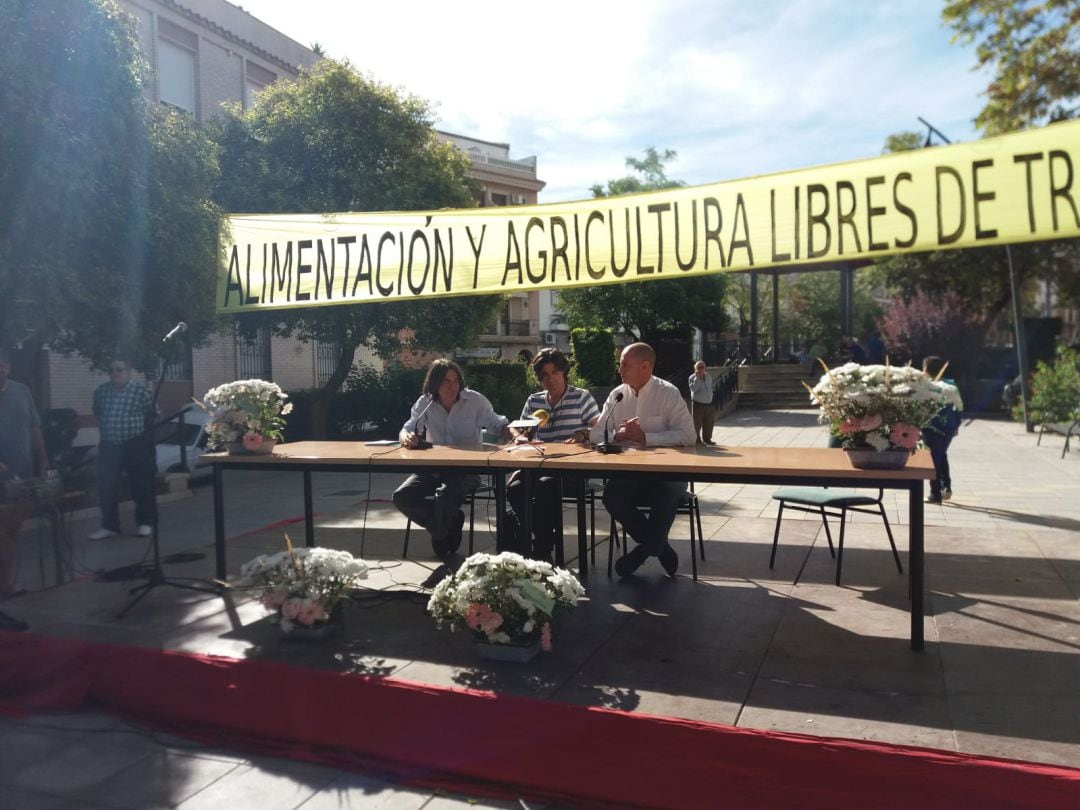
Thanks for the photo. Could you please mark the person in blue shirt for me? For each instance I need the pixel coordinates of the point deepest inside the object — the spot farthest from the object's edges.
(447, 413)
(571, 412)
(938, 435)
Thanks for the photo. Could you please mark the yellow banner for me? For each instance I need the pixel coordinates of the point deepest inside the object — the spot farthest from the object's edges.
(1013, 188)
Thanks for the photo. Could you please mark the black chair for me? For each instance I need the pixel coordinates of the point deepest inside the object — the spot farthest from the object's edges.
(826, 502)
(689, 506)
(484, 492)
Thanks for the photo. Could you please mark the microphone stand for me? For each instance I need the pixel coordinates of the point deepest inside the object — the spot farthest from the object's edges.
(424, 444)
(607, 446)
(155, 576)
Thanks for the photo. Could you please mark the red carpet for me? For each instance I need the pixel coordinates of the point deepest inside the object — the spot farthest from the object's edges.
(498, 745)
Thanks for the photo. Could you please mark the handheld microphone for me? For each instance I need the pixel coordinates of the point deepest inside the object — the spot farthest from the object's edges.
(608, 446)
(176, 330)
(424, 444)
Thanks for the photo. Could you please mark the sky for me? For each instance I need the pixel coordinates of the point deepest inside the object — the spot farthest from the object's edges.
(736, 88)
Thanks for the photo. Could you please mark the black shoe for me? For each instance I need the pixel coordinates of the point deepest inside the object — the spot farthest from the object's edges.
(669, 560)
(931, 498)
(627, 564)
(452, 542)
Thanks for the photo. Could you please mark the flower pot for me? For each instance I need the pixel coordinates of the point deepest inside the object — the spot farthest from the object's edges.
(516, 652)
(867, 458)
(238, 448)
(333, 625)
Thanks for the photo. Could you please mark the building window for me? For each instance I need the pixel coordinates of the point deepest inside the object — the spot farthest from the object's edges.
(177, 55)
(253, 355)
(179, 369)
(256, 79)
(326, 357)
(499, 199)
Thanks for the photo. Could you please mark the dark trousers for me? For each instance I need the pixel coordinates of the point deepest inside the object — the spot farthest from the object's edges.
(131, 457)
(703, 420)
(432, 499)
(939, 452)
(546, 514)
(623, 496)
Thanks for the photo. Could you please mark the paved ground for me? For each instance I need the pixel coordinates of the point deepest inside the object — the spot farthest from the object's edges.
(743, 646)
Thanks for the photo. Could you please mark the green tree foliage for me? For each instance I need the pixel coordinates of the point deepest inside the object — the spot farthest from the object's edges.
(1055, 389)
(644, 310)
(595, 364)
(902, 142)
(1031, 47)
(107, 238)
(337, 141)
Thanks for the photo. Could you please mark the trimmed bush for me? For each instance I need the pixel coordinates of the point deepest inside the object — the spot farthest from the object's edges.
(594, 357)
(1055, 390)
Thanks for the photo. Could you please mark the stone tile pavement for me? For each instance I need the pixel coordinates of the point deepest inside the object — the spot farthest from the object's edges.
(743, 646)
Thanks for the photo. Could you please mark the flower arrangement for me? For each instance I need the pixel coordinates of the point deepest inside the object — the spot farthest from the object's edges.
(880, 407)
(304, 585)
(504, 598)
(251, 411)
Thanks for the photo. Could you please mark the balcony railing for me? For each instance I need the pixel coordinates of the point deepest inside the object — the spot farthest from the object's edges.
(513, 329)
(513, 165)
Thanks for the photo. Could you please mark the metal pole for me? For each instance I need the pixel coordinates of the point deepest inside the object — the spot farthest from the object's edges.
(1021, 342)
(775, 317)
(753, 317)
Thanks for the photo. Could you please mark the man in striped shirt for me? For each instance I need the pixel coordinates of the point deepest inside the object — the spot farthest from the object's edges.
(571, 412)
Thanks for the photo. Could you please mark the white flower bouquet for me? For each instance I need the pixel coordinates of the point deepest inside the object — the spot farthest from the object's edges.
(251, 411)
(880, 407)
(504, 598)
(304, 585)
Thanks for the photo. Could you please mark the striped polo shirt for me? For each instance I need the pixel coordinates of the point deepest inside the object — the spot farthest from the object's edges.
(574, 412)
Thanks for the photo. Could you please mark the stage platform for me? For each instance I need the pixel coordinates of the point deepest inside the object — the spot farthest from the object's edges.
(712, 663)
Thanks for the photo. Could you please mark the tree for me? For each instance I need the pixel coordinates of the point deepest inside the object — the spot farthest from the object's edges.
(1031, 47)
(336, 141)
(925, 324)
(644, 310)
(107, 234)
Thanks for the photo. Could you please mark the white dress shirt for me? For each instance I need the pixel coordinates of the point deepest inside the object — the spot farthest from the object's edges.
(659, 408)
(460, 426)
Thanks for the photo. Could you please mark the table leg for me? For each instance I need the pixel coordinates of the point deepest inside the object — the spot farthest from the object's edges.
(526, 517)
(309, 512)
(219, 521)
(498, 479)
(915, 561)
(583, 535)
(560, 534)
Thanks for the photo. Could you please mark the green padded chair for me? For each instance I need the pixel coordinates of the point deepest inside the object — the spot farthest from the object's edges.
(830, 503)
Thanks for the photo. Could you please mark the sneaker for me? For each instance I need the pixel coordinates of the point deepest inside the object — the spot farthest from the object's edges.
(102, 534)
(945, 495)
(144, 531)
(670, 561)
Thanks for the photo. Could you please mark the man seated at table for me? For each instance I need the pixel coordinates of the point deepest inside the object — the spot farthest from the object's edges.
(645, 411)
(447, 413)
(571, 412)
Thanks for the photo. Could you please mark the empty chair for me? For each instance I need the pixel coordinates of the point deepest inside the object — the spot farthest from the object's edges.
(830, 503)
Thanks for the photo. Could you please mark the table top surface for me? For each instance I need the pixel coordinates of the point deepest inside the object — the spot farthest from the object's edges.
(748, 461)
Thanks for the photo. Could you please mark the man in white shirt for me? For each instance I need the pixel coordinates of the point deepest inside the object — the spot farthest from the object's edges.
(701, 397)
(646, 412)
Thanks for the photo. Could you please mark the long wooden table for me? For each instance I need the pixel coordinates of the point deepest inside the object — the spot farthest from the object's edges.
(710, 464)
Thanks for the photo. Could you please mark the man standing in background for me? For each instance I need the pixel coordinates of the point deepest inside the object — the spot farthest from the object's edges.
(701, 397)
(122, 407)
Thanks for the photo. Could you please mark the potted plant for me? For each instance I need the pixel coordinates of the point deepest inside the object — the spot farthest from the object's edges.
(877, 413)
(246, 416)
(506, 601)
(306, 587)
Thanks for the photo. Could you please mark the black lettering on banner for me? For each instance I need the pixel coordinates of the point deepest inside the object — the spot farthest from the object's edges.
(281, 271)
(265, 265)
(1063, 190)
(713, 234)
(512, 244)
(873, 211)
(617, 271)
(659, 209)
(325, 271)
(981, 196)
(642, 270)
(577, 249)
(776, 256)
(744, 243)
(251, 299)
(813, 220)
(387, 236)
(418, 236)
(942, 237)
(301, 268)
(447, 263)
(535, 222)
(798, 225)
(365, 259)
(905, 210)
(688, 265)
(594, 216)
(558, 226)
(477, 249)
(1027, 159)
(846, 216)
(400, 261)
(230, 285)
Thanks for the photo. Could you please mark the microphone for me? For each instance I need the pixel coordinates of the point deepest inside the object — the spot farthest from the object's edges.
(608, 446)
(424, 444)
(176, 330)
